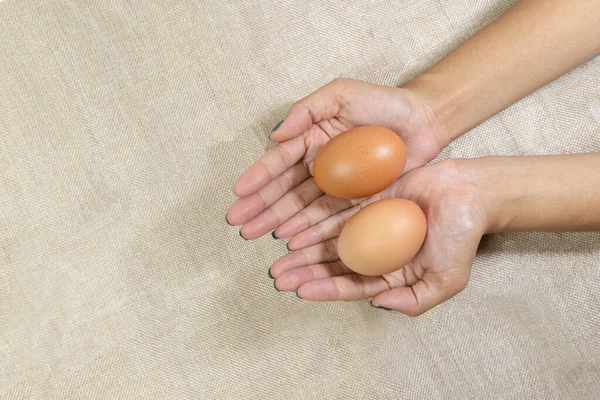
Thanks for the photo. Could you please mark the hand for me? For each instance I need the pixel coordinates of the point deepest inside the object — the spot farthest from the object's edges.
(456, 221)
(278, 192)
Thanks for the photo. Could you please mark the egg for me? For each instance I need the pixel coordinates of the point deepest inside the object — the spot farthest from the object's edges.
(359, 162)
(382, 237)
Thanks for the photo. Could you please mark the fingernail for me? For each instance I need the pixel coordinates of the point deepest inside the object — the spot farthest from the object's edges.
(274, 236)
(288, 246)
(277, 126)
(383, 308)
(297, 295)
(275, 286)
(270, 276)
(226, 220)
(242, 235)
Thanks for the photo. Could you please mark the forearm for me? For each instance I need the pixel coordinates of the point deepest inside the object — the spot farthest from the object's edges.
(532, 44)
(538, 193)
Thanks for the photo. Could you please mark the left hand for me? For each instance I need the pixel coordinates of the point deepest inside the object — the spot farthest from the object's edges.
(278, 193)
(456, 222)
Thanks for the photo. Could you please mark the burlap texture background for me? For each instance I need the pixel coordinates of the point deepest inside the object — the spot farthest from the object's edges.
(123, 125)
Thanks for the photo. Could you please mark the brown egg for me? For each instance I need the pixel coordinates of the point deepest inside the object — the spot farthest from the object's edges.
(382, 237)
(360, 162)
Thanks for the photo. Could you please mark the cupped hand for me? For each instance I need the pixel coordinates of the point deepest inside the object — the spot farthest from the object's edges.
(456, 221)
(278, 193)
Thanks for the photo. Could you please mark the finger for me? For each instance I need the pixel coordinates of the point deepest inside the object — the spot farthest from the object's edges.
(322, 104)
(324, 230)
(422, 296)
(319, 210)
(319, 253)
(412, 273)
(347, 287)
(249, 207)
(272, 164)
(292, 202)
(291, 280)
(386, 194)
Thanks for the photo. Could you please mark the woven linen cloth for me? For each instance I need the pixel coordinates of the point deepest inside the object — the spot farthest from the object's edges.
(123, 126)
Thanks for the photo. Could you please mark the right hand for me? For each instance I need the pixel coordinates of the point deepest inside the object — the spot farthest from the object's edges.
(458, 215)
(278, 193)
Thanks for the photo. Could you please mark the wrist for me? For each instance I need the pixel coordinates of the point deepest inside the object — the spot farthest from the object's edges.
(537, 193)
(443, 104)
(500, 189)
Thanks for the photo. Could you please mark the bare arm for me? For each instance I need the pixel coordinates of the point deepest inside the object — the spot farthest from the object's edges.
(540, 193)
(529, 46)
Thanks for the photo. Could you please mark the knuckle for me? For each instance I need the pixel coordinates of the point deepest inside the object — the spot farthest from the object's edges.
(336, 289)
(337, 268)
(284, 154)
(297, 200)
(325, 206)
(282, 182)
(306, 195)
(273, 216)
(338, 223)
(330, 248)
(319, 232)
(359, 283)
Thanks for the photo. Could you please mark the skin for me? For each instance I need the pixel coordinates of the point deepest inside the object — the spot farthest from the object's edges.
(455, 223)
(539, 193)
(273, 190)
(462, 200)
(529, 46)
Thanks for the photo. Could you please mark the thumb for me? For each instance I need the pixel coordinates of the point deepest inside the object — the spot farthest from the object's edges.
(320, 105)
(387, 193)
(421, 297)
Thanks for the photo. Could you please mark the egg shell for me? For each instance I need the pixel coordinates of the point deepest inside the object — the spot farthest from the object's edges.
(382, 237)
(360, 162)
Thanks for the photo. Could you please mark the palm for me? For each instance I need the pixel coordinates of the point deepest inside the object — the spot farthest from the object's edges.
(278, 192)
(420, 149)
(440, 270)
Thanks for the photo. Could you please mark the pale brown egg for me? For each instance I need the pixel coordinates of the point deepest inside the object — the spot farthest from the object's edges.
(382, 237)
(360, 162)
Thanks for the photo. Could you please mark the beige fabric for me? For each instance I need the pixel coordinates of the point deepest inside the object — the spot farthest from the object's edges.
(123, 125)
